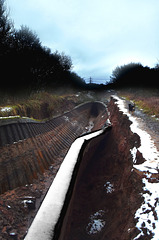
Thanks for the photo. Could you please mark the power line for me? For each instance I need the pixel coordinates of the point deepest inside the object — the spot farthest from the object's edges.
(91, 80)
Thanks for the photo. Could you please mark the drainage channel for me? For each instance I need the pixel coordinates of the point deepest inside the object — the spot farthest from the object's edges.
(49, 219)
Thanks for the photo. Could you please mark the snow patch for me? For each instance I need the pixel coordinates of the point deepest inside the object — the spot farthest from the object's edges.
(10, 117)
(109, 187)
(96, 223)
(148, 214)
(73, 123)
(66, 118)
(147, 148)
(90, 126)
(133, 153)
(6, 109)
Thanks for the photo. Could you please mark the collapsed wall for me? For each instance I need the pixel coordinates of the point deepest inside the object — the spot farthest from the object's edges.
(28, 148)
(110, 199)
(107, 190)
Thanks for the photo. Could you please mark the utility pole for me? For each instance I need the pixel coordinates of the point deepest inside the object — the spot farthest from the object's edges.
(90, 80)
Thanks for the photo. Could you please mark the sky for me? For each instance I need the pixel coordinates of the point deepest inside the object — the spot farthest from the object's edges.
(98, 35)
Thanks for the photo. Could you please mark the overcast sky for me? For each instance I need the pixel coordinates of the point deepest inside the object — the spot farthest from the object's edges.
(97, 34)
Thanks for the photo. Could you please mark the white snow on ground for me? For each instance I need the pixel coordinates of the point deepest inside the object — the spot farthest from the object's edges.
(73, 123)
(16, 116)
(44, 223)
(109, 187)
(148, 214)
(147, 147)
(96, 223)
(90, 126)
(6, 109)
(133, 153)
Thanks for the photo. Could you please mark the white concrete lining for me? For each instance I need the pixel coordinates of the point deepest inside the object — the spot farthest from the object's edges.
(45, 221)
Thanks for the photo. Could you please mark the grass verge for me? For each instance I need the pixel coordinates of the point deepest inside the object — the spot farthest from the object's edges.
(145, 99)
(41, 105)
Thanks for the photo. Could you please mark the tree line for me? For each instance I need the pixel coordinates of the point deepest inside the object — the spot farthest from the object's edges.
(26, 64)
(135, 75)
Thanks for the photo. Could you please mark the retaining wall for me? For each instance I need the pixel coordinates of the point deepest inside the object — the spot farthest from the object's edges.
(28, 148)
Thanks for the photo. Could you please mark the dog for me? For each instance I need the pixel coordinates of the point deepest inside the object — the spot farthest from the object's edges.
(131, 107)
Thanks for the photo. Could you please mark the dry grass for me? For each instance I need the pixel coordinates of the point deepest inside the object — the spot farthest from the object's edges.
(146, 99)
(40, 105)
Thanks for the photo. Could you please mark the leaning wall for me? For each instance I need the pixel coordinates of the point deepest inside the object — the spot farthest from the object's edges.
(27, 148)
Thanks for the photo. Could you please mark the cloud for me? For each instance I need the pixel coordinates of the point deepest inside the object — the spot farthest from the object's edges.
(97, 34)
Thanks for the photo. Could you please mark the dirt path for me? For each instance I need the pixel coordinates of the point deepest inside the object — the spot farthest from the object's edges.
(147, 123)
(148, 168)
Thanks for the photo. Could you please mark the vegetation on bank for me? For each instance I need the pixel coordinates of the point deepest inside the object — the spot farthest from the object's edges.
(146, 99)
(42, 105)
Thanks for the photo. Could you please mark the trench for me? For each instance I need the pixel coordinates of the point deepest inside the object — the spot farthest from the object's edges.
(105, 190)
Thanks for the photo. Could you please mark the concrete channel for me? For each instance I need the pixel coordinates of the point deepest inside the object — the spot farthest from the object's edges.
(49, 219)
